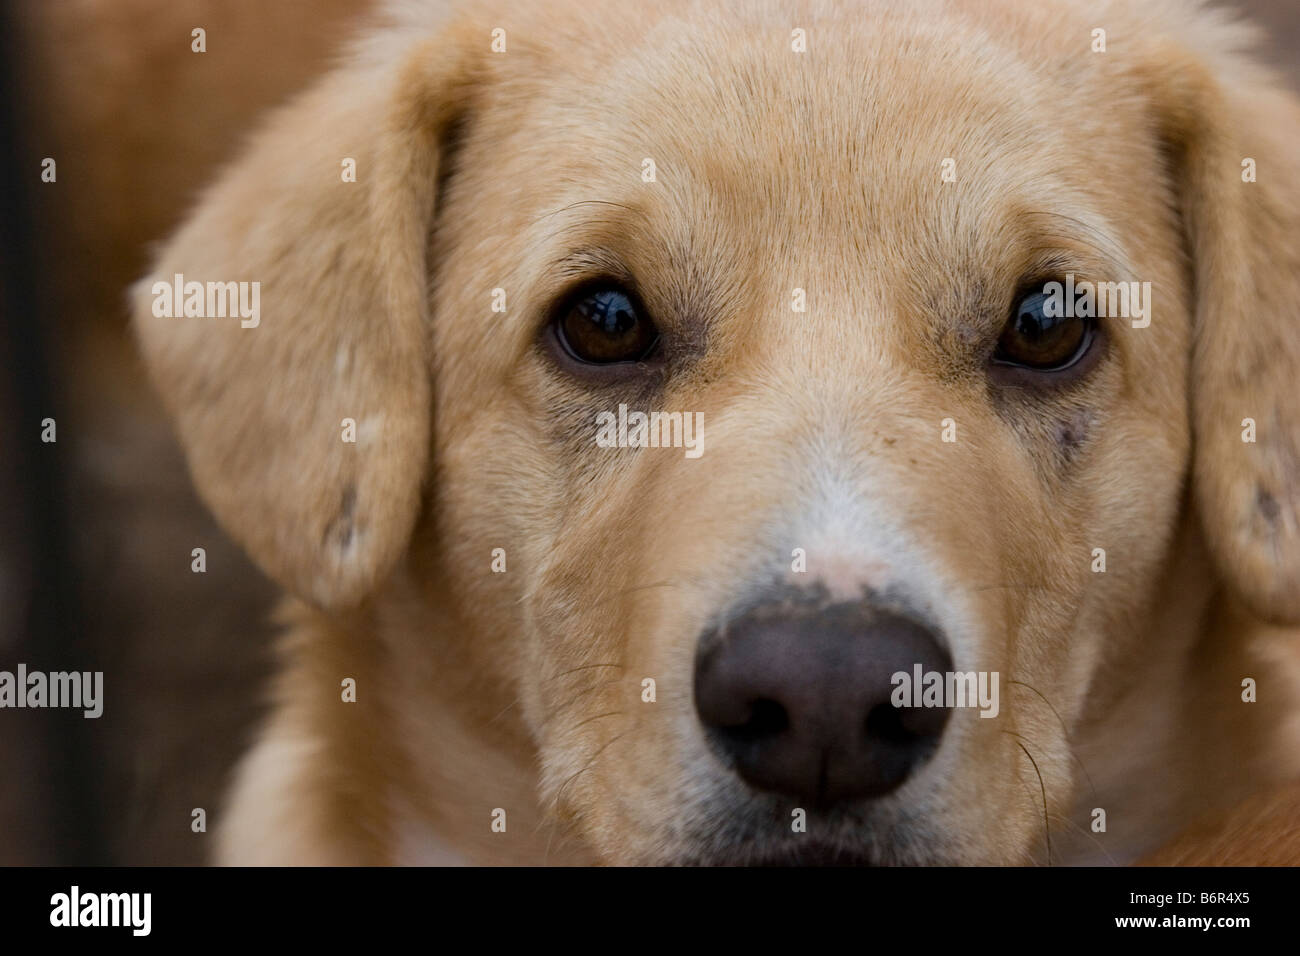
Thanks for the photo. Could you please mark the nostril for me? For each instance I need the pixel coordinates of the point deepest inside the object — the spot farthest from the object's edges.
(767, 718)
(885, 723)
(905, 726)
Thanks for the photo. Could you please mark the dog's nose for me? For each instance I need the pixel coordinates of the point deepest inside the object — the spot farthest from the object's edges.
(798, 698)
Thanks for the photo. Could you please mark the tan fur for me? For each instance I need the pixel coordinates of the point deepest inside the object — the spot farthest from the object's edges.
(1263, 830)
(521, 690)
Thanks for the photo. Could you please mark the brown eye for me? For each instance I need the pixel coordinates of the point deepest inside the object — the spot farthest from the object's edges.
(1036, 338)
(604, 326)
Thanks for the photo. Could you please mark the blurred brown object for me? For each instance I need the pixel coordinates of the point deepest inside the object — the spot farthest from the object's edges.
(1261, 831)
(137, 123)
(1280, 22)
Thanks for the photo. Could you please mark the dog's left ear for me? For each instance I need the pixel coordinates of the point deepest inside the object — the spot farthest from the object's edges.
(1233, 137)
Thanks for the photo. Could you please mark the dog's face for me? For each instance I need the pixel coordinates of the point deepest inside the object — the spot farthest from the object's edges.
(891, 453)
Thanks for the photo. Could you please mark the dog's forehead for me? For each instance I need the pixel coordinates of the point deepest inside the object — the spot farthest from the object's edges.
(838, 82)
(854, 123)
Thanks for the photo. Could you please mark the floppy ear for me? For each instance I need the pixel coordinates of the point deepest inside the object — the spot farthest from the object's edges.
(1223, 121)
(342, 278)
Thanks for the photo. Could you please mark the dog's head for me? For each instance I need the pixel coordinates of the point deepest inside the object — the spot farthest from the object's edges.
(823, 250)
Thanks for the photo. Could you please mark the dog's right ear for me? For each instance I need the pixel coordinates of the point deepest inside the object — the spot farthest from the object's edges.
(305, 419)
(1232, 137)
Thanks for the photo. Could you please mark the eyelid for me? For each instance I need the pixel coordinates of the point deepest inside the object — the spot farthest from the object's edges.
(590, 265)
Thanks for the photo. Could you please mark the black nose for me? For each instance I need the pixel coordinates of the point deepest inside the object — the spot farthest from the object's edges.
(797, 698)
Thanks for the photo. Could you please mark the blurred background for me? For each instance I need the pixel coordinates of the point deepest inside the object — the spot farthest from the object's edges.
(96, 529)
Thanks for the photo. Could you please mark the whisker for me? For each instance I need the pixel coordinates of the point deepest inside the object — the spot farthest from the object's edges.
(550, 237)
(581, 202)
(576, 699)
(555, 804)
(584, 667)
(1047, 828)
(513, 703)
(1087, 776)
(1016, 587)
(1029, 795)
(1087, 833)
(611, 713)
(553, 817)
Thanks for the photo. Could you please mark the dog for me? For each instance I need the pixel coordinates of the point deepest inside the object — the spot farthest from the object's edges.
(837, 242)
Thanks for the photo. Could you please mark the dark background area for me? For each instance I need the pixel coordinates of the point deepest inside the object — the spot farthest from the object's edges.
(96, 529)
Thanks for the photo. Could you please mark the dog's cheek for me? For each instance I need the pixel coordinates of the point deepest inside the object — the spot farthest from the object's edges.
(1071, 433)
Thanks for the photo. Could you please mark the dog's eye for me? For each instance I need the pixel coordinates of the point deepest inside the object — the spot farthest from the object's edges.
(1035, 338)
(605, 325)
